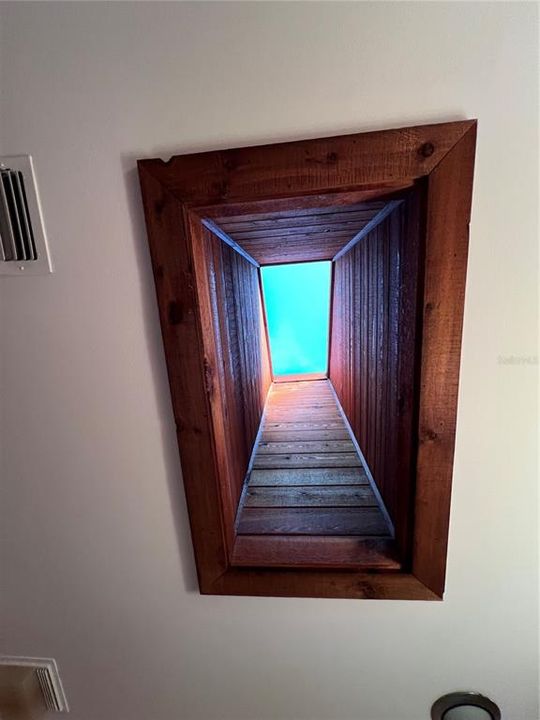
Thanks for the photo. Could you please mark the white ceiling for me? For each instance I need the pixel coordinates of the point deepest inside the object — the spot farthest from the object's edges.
(97, 560)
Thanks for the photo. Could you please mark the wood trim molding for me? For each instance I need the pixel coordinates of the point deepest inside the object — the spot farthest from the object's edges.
(229, 241)
(447, 239)
(178, 195)
(373, 162)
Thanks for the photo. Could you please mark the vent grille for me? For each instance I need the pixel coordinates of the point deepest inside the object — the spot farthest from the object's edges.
(48, 677)
(16, 236)
(23, 244)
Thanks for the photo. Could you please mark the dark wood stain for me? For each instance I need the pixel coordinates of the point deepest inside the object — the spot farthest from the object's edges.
(449, 195)
(373, 162)
(312, 551)
(300, 236)
(242, 341)
(373, 352)
(244, 184)
(313, 521)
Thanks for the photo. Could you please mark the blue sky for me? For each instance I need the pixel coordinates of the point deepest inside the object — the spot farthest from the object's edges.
(297, 300)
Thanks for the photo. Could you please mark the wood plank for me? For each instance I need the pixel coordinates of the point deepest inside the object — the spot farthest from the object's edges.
(447, 240)
(408, 338)
(287, 398)
(284, 387)
(304, 383)
(312, 521)
(296, 406)
(275, 235)
(311, 496)
(301, 252)
(285, 391)
(303, 435)
(302, 415)
(314, 583)
(286, 394)
(285, 426)
(312, 217)
(290, 401)
(304, 377)
(387, 159)
(232, 440)
(311, 207)
(293, 404)
(307, 460)
(315, 551)
(182, 332)
(309, 446)
(292, 407)
(373, 371)
(308, 476)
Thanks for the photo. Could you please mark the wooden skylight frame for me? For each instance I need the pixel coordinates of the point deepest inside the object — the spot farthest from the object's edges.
(179, 194)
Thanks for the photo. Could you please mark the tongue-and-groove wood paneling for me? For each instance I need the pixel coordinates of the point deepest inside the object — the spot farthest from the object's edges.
(243, 373)
(302, 235)
(372, 351)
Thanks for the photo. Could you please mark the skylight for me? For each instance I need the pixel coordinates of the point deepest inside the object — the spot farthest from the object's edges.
(297, 302)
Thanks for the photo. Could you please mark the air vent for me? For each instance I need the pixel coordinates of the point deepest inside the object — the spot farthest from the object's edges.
(23, 243)
(48, 677)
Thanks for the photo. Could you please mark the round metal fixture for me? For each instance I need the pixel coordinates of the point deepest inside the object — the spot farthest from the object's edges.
(465, 706)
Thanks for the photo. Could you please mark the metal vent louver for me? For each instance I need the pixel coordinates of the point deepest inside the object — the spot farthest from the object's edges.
(48, 677)
(23, 243)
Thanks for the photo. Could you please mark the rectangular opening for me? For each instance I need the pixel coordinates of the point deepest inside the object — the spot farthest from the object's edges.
(317, 438)
(323, 487)
(297, 305)
(390, 211)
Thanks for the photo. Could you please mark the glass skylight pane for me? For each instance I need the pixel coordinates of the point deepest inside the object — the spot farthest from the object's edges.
(297, 302)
